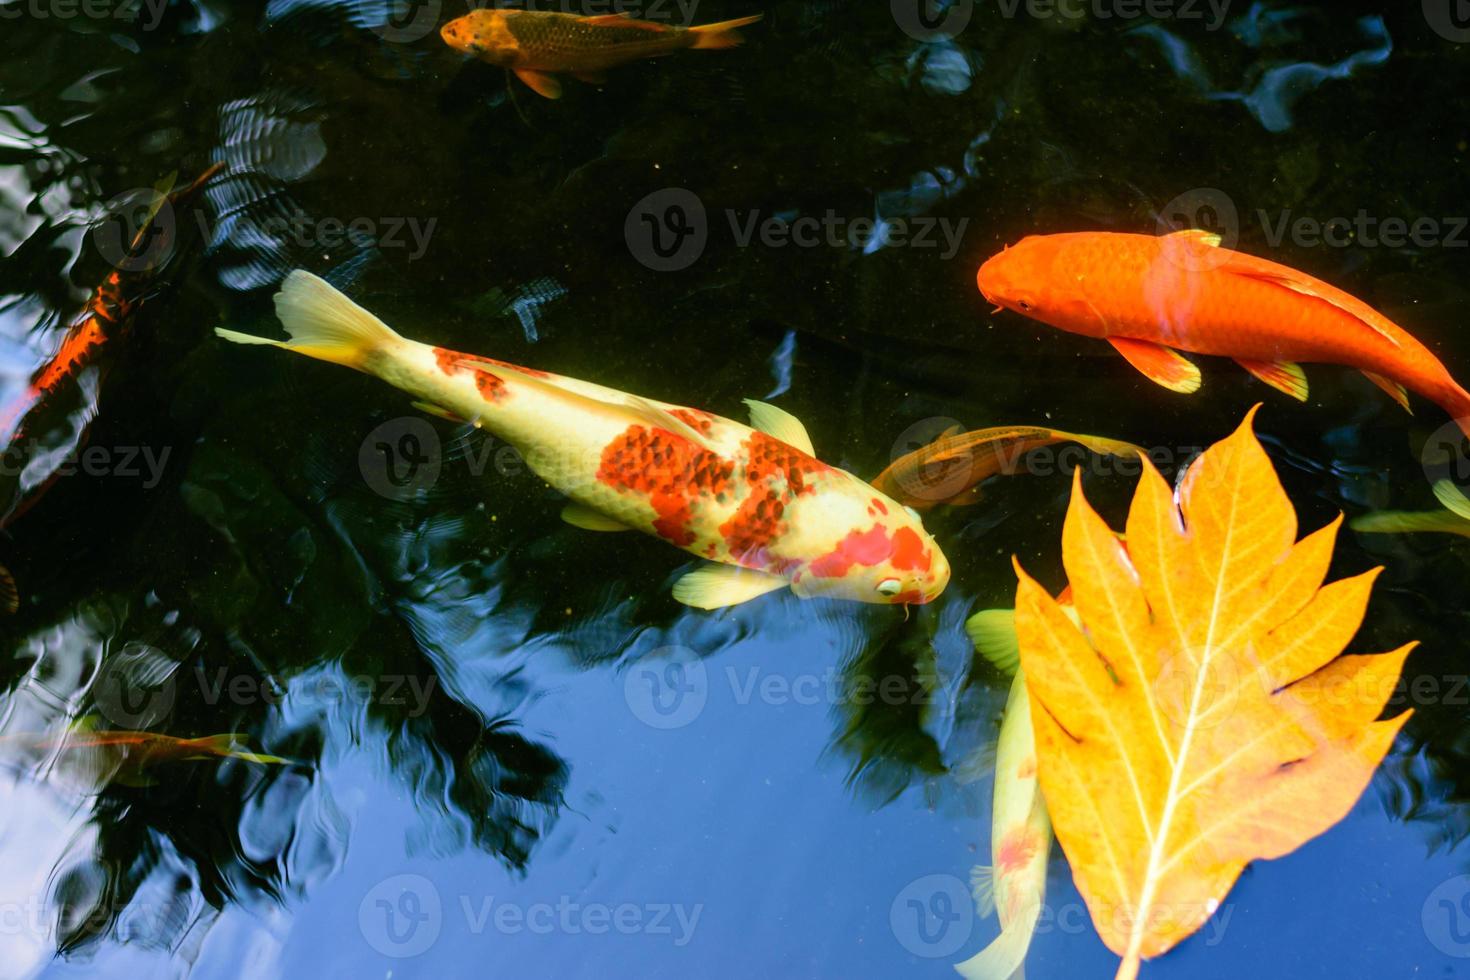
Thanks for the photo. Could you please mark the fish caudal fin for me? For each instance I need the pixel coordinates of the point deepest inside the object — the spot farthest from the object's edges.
(993, 631)
(1004, 957)
(323, 323)
(1456, 401)
(725, 34)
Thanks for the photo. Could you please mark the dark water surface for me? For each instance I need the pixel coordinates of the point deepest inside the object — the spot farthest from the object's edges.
(513, 754)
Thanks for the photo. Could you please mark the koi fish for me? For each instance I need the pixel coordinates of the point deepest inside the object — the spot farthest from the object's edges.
(124, 755)
(1151, 297)
(1014, 885)
(1411, 522)
(537, 45)
(755, 501)
(105, 320)
(951, 469)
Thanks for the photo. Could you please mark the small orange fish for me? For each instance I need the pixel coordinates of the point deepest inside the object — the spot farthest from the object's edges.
(951, 469)
(1151, 297)
(537, 45)
(122, 756)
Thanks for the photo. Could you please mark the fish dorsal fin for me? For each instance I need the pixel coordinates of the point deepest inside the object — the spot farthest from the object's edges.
(1198, 236)
(624, 20)
(639, 408)
(1262, 270)
(779, 424)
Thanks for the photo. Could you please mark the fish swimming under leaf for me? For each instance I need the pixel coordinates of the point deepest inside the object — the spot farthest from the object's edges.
(538, 45)
(1152, 297)
(1014, 885)
(754, 501)
(951, 469)
(1412, 522)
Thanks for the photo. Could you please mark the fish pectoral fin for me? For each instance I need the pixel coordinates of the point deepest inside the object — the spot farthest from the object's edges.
(982, 889)
(780, 424)
(1409, 522)
(1395, 390)
(1199, 236)
(441, 413)
(1284, 376)
(540, 82)
(993, 632)
(1452, 498)
(591, 520)
(718, 586)
(1160, 364)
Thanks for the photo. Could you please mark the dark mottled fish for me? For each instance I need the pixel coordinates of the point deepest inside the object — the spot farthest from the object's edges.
(537, 45)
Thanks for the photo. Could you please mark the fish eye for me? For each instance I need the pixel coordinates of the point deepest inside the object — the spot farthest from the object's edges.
(889, 586)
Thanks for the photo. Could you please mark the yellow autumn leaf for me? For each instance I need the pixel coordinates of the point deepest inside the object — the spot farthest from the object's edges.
(1201, 716)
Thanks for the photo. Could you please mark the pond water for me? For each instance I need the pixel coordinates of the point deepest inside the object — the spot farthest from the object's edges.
(509, 752)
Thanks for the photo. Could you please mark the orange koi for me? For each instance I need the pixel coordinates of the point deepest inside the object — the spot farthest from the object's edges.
(754, 500)
(538, 45)
(1152, 297)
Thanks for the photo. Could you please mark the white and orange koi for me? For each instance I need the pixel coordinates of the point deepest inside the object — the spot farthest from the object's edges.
(1020, 831)
(755, 501)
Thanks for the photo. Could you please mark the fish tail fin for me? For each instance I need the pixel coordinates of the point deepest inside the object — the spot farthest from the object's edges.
(1007, 954)
(993, 631)
(323, 323)
(725, 34)
(228, 746)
